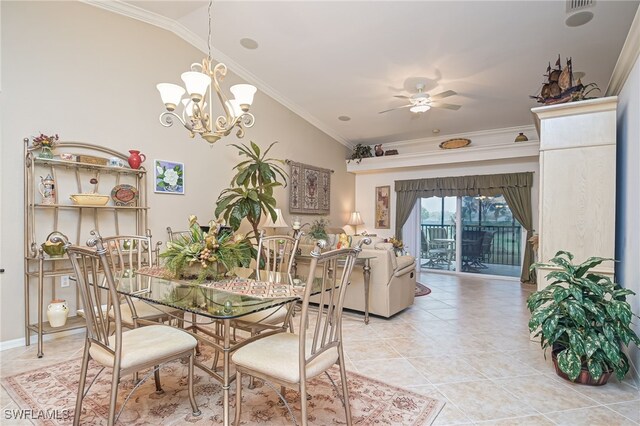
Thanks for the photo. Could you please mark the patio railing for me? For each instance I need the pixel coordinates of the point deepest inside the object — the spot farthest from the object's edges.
(505, 247)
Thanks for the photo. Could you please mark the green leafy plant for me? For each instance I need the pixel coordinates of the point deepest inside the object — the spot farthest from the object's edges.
(211, 252)
(584, 314)
(318, 229)
(251, 190)
(360, 152)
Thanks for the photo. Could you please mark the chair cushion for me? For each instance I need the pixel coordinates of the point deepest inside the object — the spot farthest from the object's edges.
(145, 344)
(277, 356)
(144, 311)
(271, 316)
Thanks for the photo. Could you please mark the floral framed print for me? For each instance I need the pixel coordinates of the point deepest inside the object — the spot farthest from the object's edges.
(169, 177)
(383, 200)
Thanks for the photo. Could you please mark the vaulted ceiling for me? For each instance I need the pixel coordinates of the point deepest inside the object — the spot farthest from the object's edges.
(325, 59)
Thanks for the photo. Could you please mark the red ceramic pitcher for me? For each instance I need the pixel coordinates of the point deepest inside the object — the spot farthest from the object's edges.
(135, 159)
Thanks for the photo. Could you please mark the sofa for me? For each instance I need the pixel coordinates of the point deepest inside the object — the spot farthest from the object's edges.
(392, 281)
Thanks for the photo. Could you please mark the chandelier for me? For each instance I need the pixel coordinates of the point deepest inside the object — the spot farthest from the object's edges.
(197, 111)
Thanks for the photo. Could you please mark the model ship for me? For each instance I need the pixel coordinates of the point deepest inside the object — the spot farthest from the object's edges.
(560, 88)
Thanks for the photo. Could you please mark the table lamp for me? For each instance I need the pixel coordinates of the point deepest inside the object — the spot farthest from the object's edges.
(279, 222)
(355, 220)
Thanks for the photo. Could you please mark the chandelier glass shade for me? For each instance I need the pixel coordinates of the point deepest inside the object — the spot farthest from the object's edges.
(196, 108)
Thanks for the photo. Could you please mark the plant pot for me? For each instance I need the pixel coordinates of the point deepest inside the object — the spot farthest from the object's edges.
(584, 378)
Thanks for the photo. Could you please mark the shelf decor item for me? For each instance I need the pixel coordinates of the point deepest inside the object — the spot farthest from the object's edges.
(136, 159)
(57, 312)
(52, 249)
(47, 188)
(560, 86)
(168, 177)
(203, 255)
(455, 143)
(359, 152)
(46, 144)
(521, 138)
(124, 195)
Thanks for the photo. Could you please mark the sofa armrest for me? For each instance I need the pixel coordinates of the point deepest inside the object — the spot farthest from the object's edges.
(405, 265)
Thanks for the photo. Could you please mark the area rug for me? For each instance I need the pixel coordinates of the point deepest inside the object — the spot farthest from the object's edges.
(48, 396)
(422, 290)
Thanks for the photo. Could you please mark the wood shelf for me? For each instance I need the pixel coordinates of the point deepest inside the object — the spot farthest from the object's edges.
(71, 324)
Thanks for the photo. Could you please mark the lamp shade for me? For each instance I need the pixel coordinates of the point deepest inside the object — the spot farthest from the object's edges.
(170, 94)
(234, 108)
(279, 223)
(243, 94)
(196, 83)
(355, 219)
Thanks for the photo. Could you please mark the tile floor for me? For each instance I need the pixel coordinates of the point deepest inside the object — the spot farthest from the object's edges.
(466, 343)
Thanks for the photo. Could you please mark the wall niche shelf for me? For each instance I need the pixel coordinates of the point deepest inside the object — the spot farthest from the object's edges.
(44, 273)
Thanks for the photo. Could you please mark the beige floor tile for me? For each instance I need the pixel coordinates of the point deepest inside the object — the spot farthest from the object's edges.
(397, 372)
(589, 417)
(520, 421)
(630, 410)
(5, 399)
(446, 369)
(485, 400)
(360, 350)
(545, 395)
(410, 348)
(498, 365)
(534, 358)
(611, 393)
(393, 330)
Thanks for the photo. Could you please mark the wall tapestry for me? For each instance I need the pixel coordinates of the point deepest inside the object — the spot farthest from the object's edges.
(169, 177)
(310, 189)
(383, 194)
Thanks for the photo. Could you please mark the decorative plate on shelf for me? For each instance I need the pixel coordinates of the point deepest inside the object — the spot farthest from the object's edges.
(124, 195)
(455, 143)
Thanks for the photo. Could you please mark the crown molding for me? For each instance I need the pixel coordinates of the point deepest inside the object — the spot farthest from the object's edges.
(134, 12)
(627, 59)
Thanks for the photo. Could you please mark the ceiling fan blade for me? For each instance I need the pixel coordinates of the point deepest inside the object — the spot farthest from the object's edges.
(443, 95)
(445, 106)
(402, 96)
(401, 107)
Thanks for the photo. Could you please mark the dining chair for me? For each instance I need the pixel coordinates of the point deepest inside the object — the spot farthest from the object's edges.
(126, 254)
(289, 359)
(174, 235)
(274, 261)
(124, 352)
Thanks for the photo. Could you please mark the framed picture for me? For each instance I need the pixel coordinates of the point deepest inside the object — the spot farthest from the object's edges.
(168, 177)
(383, 199)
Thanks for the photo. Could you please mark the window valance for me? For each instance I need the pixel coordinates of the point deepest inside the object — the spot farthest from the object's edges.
(488, 185)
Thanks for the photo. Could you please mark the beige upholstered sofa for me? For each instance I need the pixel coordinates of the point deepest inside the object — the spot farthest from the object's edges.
(392, 281)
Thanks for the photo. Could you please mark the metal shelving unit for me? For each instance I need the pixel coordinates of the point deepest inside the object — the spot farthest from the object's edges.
(75, 221)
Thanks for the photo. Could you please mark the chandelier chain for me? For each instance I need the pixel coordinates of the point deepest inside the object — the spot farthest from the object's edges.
(209, 35)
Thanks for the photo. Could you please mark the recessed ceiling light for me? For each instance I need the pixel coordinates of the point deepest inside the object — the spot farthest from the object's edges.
(436, 131)
(579, 18)
(344, 118)
(249, 43)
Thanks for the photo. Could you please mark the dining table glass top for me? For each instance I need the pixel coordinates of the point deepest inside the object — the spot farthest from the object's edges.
(211, 299)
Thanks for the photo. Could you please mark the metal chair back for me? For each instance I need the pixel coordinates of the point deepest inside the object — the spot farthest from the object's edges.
(276, 253)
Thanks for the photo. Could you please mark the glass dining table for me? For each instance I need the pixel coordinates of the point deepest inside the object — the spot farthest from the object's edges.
(221, 302)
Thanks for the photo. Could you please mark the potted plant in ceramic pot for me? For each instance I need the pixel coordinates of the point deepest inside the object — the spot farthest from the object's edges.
(585, 319)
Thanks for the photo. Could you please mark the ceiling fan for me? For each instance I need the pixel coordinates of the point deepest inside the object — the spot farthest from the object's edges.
(421, 101)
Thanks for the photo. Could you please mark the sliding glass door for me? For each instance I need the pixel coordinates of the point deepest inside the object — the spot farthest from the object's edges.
(470, 234)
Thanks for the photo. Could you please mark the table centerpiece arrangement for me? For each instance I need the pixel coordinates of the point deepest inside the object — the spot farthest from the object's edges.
(203, 255)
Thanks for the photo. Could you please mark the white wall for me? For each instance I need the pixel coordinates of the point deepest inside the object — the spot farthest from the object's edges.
(367, 182)
(628, 195)
(89, 75)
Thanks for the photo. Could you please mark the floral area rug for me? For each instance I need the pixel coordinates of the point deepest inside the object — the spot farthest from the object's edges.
(422, 290)
(49, 394)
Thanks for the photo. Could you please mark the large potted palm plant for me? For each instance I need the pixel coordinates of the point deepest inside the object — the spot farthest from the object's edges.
(251, 191)
(584, 318)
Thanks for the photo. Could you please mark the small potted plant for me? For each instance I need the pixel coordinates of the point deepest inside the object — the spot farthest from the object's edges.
(46, 144)
(319, 229)
(360, 152)
(585, 319)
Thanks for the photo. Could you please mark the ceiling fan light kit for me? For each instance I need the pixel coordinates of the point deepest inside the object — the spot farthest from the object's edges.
(421, 102)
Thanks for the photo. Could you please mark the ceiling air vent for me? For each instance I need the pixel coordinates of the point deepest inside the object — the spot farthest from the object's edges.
(577, 5)
(578, 15)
